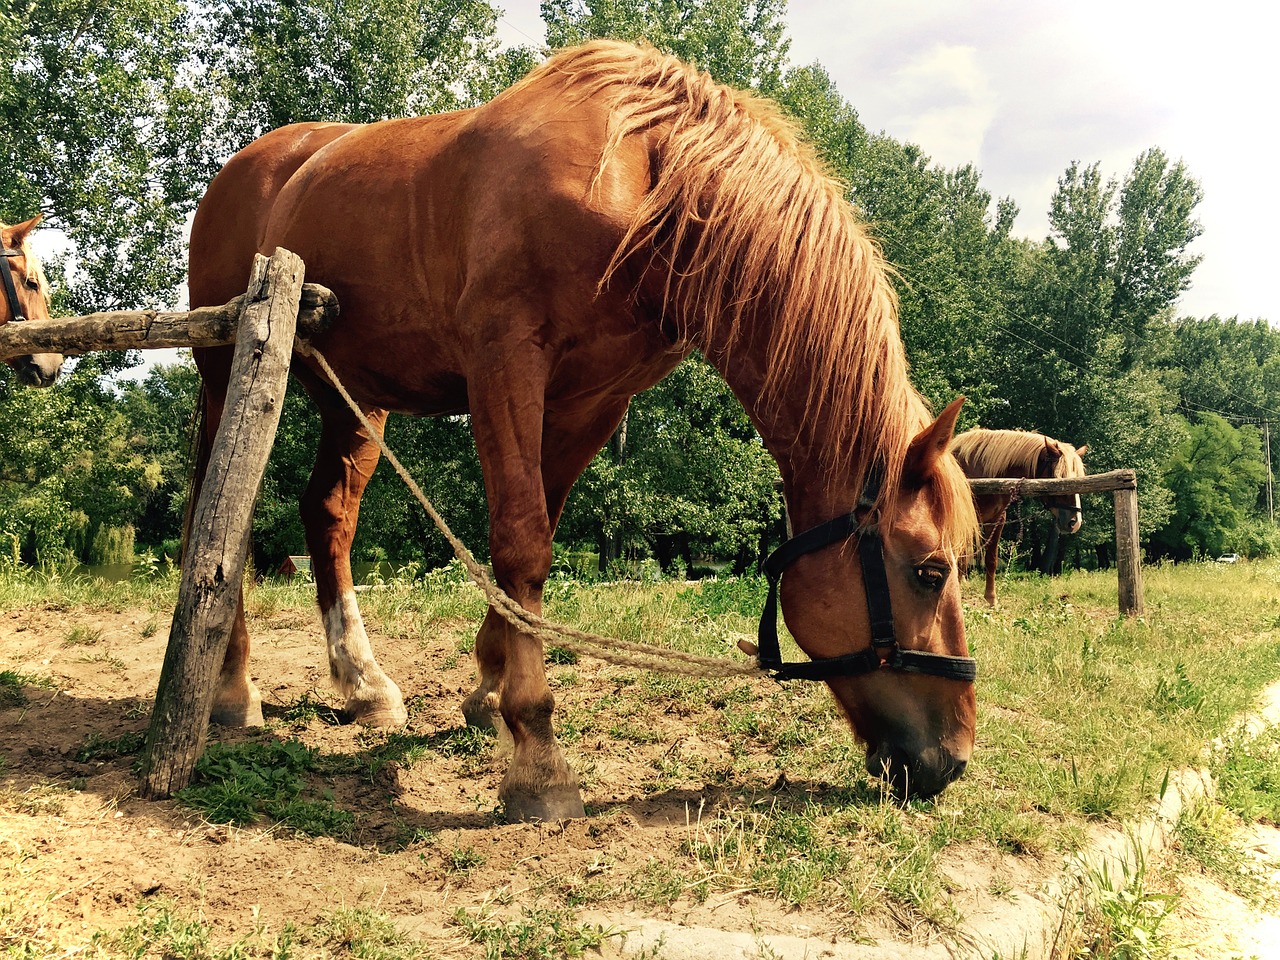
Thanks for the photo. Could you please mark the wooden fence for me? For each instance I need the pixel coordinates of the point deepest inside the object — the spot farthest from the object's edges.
(1123, 485)
(262, 325)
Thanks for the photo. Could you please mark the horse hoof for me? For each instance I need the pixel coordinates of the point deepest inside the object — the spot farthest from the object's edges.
(481, 711)
(546, 806)
(237, 714)
(377, 715)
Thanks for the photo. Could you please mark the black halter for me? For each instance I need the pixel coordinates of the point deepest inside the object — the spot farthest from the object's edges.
(884, 652)
(10, 291)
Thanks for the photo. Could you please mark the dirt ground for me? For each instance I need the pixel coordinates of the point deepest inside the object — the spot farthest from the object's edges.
(79, 851)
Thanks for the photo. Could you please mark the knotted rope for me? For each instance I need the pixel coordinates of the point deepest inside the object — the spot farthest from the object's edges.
(622, 653)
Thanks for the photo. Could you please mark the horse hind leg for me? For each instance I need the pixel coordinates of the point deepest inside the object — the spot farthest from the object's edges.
(345, 460)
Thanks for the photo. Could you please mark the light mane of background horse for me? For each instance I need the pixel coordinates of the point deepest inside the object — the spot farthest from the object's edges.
(993, 453)
(1015, 453)
(752, 233)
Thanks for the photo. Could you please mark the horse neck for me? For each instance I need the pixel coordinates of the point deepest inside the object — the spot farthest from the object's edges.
(817, 484)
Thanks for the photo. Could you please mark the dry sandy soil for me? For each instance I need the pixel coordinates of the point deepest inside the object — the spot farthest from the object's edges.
(79, 851)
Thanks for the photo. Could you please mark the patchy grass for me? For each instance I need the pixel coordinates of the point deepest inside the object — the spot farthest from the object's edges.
(1115, 912)
(241, 783)
(537, 934)
(1082, 715)
(12, 684)
(163, 929)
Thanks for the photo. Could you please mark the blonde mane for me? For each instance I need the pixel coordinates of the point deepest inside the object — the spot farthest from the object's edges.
(754, 235)
(995, 453)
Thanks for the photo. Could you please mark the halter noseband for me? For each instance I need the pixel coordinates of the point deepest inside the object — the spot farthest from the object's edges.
(884, 652)
(10, 291)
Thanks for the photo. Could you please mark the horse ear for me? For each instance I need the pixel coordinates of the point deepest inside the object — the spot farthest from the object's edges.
(931, 443)
(21, 230)
(1081, 451)
(1051, 451)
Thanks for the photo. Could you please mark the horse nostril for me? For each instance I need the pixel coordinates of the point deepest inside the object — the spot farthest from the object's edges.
(957, 770)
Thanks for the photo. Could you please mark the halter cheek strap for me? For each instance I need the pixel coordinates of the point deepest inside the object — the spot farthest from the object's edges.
(10, 291)
(884, 652)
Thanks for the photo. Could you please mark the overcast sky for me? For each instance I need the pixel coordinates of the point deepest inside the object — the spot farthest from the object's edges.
(1020, 88)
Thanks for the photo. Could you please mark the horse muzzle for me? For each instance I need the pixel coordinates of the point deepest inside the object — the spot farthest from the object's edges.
(914, 776)
(37, 370)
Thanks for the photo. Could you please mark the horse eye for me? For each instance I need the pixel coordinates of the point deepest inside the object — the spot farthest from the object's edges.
(33, 284)
(931, 578)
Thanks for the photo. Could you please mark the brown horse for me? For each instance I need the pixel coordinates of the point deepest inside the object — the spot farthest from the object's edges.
(537, 261)
(26, 297)
(1017, 453)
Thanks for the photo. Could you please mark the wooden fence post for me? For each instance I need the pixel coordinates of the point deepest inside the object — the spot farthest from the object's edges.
(1128, 553)
(214, 559)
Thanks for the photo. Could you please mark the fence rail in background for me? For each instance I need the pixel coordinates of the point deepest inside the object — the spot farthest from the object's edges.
(1123, 485)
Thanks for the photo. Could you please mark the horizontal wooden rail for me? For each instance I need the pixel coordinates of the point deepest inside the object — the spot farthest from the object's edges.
(154, 329)
(1094, 483)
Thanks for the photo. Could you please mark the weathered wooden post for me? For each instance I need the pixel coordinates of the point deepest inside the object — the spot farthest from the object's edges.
(1129, 552)
(214, 559)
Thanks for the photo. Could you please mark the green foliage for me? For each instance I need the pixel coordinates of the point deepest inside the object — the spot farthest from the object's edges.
(98, 747)
(113, 118)
(280, 62)
(540, 933)
(1246, 768)
(1214, 475)
(739, 42)
(1119, 916)
(70, 464)
(101, 125)
(238, 783)
(691, 477)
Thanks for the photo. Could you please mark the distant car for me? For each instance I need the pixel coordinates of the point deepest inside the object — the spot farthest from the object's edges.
(1229, 558)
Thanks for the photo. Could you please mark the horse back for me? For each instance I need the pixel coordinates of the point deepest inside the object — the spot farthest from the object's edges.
(231, 221)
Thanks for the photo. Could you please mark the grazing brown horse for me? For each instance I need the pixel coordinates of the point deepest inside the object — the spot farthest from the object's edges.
(1017, 453)
(26, 297)
(537, 261)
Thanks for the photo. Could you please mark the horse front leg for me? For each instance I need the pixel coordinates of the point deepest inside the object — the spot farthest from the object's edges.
(345, 460)
(539, 785)
(992, 547)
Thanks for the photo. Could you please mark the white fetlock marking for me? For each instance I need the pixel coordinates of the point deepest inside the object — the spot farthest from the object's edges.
(352, 665)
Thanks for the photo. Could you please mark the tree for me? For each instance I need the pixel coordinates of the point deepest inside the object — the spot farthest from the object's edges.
(1214, 474)
(100, 125)
(71, 464)
(161, 408)
(277, 62)
(696, 480)
(739, 42)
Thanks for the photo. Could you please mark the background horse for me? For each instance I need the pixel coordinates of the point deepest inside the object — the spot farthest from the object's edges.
(1017, 453)
(537, 261)
(26, 297)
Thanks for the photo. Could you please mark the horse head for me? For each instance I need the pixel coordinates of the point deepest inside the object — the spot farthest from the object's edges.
(914, 706)
(26, 298)
(1062, 461)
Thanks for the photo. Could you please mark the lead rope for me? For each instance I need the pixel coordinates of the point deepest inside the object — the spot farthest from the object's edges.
(622, 653)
